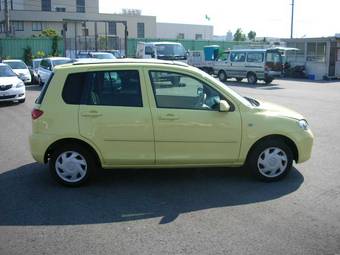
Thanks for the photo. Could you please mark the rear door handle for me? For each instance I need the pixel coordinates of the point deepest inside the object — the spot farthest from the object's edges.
(91, 114)
(168, 116)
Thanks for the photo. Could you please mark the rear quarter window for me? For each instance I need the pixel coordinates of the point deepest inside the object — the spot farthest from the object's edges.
(73, 88)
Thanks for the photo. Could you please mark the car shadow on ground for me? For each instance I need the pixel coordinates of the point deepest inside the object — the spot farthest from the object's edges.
(33, 88)
(29, 196)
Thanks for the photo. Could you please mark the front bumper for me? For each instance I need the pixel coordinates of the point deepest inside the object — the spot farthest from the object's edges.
(304, 145)
(13, 94)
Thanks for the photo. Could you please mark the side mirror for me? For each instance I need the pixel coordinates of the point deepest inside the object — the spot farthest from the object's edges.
(224, 106)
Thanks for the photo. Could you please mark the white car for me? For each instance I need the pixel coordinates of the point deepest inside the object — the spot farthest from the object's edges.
(20, 68)
(47, 65)
(11, 87)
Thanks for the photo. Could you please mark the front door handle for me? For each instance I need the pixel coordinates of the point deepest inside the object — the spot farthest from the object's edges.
(168, 116)
(91, 114)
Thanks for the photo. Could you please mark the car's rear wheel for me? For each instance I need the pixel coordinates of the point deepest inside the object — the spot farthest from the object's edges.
(40, 82)
(222, 76)
(252, 79)
(71, 165)
(270, 160)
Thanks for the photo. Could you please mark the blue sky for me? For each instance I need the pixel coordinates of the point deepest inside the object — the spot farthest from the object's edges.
(270, 18)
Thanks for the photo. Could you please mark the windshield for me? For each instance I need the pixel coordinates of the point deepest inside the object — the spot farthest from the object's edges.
(103, 56)
(6, 71)
(16, 65)
(61, 62)
(170, 50)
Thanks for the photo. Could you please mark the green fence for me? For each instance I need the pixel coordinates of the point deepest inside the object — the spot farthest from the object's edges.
(14, 47)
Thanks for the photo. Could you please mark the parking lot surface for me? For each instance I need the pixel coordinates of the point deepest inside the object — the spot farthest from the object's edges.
(177, 211)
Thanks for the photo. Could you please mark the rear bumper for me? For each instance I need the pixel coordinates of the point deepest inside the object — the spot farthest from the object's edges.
(272, 74)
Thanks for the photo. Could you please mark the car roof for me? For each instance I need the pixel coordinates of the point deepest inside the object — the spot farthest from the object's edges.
(251, 50)
(131, 61)
(57, 58)
(12, 60)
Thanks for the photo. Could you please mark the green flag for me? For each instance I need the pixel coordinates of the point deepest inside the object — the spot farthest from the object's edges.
(207, 17)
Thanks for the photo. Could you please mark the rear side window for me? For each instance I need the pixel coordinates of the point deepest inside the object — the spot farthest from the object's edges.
(255, 57)
(73, 88)
(113, 88)
(40, 98)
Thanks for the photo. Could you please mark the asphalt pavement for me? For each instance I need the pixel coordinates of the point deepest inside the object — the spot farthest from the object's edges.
(177, 211)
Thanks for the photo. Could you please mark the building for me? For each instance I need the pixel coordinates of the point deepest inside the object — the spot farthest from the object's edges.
(184, 31)
(320, 56)
(30, 17)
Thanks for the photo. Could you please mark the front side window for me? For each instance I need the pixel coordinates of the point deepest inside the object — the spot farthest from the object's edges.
(223, 56)
(255, 57)
(238, 57)
(114, 88)
(180, 91)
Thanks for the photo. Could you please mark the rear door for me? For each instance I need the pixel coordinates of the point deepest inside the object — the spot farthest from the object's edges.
(274, 61)
(115, 116)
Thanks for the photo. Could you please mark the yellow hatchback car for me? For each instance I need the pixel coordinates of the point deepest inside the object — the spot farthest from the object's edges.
(156, 114)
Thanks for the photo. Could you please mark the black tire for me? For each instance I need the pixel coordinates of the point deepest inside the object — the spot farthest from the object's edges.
(268, 81)
(261, 171)
(252, 79)
(239, 79)
(21, 101)
(84, 155)
(222, 76)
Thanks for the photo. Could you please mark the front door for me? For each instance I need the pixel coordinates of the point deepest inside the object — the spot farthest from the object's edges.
(115, 116)
(189, 129)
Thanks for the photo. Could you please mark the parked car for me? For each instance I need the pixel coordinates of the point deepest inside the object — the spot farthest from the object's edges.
(97, 55)
(11, 87)
(126, 115)
(20, 68)
(162, 50)
(252, 64)
(47, 66)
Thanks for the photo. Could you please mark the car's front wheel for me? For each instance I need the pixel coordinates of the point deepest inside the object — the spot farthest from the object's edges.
(71, 165)
(270, 160)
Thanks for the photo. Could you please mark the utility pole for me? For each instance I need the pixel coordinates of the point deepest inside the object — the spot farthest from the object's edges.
(7, 24)
(292, 21)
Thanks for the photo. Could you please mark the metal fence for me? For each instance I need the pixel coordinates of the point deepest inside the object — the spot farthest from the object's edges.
(14, 47)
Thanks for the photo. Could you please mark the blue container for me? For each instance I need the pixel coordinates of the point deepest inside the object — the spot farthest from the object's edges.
(211, 52)
(311, 77)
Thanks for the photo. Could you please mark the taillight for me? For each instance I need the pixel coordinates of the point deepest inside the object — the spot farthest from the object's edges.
(36, 113)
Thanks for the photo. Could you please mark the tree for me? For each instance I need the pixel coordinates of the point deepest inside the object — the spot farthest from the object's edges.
(251, 35)
(239, 35)
(49, 32)
(28, 56)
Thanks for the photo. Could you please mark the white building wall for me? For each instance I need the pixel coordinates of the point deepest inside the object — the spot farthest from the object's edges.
(172, 31)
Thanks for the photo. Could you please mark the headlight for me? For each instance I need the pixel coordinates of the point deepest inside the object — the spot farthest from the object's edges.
(20, 84)
(303, 124)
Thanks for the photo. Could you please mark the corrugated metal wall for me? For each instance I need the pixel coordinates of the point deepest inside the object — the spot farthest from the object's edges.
(14, 47)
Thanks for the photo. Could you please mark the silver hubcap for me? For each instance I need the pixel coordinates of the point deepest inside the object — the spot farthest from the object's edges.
(71, 166)
(272, 162)
(222, 76)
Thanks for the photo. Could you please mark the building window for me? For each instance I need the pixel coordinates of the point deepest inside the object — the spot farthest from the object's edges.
(80, 6)
(198, 37)
(296, 55)
(18, 25)
(11, 5)
(316, 51)
(140, 30)
(180, 36)
(46, 5)
(36, 26)
(60, 9)
(112, 28)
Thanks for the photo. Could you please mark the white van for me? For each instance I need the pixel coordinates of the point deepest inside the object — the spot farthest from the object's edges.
(161, 50)
(253, 64)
